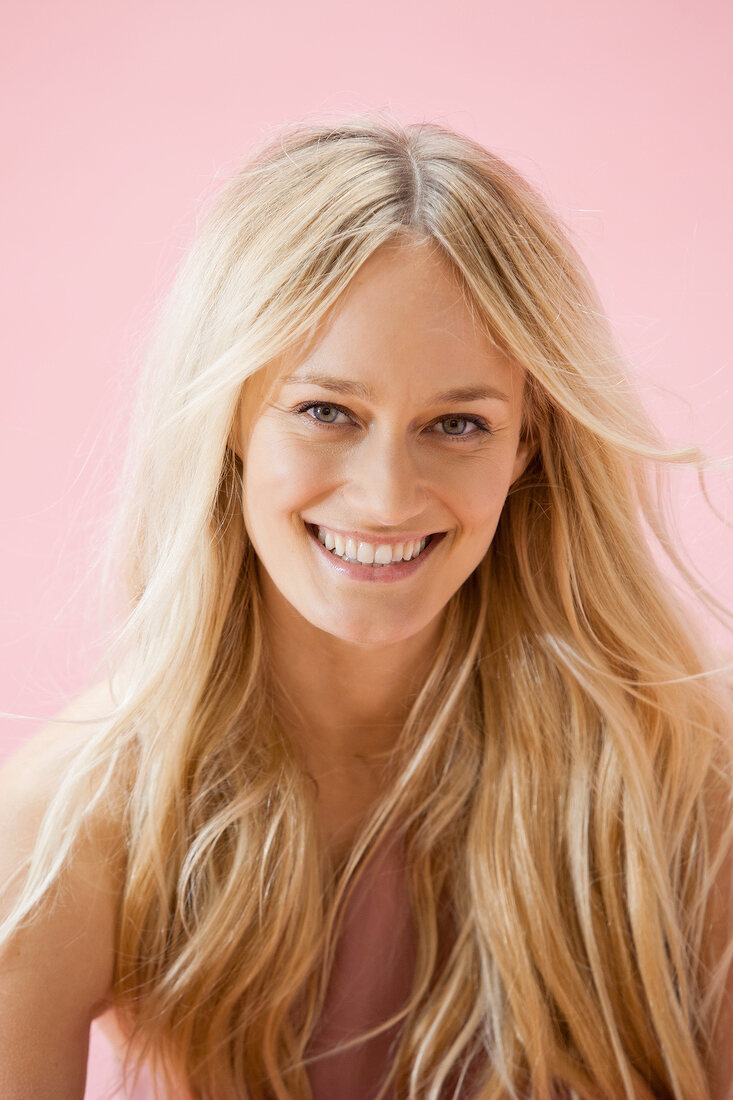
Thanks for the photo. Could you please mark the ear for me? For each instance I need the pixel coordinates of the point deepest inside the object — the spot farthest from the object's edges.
(526, 450)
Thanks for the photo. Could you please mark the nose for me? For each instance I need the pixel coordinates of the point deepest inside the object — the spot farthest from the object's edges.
(385, 486)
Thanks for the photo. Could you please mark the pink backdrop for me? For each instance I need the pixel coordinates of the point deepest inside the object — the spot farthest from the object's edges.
(116, 120)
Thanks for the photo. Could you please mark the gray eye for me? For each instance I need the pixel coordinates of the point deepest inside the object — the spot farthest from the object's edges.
(326, 413)
(454, 425)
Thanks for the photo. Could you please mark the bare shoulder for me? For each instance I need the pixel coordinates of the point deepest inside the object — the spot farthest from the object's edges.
(29, 780)
(56, 969)
(60, 738)
(30, 777)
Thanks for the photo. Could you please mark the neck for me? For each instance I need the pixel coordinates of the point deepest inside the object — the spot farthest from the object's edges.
(343, 702)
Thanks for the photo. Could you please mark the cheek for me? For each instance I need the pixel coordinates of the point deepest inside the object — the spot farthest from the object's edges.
(283, 475)
(476, 494)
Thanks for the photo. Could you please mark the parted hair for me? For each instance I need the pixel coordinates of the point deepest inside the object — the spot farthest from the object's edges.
(562, 784)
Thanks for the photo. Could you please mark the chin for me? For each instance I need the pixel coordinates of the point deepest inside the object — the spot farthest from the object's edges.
(368, 635)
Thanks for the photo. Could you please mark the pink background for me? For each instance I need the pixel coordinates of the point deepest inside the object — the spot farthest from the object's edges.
(118, 118)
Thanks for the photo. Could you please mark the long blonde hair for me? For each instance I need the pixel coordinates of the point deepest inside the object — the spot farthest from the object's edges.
(572, 716)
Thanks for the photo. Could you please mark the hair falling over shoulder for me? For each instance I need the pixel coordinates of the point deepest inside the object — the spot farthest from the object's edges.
(577, 722)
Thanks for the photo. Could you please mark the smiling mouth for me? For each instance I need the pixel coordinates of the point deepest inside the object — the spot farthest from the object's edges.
(359, 552)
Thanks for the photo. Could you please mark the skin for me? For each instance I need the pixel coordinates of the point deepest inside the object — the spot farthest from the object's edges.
(349, 655)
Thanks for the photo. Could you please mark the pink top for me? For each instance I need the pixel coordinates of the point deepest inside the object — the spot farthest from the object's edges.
(371, 980)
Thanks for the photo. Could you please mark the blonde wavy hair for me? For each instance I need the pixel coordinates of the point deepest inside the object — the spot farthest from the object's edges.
(562, 785)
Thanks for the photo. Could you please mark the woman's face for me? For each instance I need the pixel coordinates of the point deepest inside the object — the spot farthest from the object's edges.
(399, 424)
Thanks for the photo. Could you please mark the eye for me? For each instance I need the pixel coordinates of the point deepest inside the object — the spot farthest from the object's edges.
(322, 411)
(456, 426)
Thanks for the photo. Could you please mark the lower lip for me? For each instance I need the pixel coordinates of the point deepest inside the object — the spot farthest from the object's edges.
(377, 574)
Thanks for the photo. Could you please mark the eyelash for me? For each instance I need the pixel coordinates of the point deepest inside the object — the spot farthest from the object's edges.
(477, 421)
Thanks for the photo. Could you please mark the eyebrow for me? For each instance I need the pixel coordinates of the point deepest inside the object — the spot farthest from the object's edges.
(357, 389)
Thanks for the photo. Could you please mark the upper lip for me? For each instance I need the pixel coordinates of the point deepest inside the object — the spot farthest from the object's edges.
(375, 540)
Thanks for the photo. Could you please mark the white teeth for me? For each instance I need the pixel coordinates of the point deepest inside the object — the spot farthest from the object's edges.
(365, 553)
(368, 553)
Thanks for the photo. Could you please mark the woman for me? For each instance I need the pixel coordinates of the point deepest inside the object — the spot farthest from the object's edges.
(410, 776)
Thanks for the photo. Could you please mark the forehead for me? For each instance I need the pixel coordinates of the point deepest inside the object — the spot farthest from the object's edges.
(402, 327)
